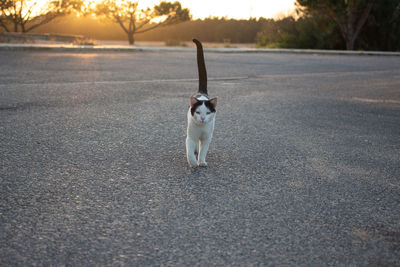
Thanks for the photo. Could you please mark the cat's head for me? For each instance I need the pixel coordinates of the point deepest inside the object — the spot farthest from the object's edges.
(203, 109)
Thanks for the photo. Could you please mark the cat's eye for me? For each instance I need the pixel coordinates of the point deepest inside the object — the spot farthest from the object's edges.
(208, 113)
(197, 112)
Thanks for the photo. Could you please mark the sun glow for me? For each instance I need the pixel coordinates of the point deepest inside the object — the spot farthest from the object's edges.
(237, 9)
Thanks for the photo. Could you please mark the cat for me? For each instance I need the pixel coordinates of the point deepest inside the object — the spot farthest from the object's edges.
(200, 117)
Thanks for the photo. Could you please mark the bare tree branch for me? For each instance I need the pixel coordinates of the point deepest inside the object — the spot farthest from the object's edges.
(133, 21)
(121, 23)
(4, 26)
(22, 13)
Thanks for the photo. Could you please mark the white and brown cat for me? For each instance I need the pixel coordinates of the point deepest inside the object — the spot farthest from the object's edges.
(201, 117)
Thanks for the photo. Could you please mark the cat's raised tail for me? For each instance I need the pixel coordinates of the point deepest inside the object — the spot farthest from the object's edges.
(201, 67)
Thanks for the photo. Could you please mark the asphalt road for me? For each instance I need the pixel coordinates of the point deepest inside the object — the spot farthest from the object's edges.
(303, 169)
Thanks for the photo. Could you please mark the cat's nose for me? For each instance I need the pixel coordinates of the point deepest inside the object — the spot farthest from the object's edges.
(202, 118)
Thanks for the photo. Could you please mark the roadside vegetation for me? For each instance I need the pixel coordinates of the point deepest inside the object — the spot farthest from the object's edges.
(316, 24)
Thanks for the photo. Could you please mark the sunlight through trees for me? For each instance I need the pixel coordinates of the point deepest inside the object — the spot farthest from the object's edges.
(25, 15)
(134, 20)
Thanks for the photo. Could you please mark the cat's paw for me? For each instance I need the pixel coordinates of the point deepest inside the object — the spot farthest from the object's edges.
(202, 164)
(192, 161)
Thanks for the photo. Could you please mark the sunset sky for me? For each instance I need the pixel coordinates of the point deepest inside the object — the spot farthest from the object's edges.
(238, 9)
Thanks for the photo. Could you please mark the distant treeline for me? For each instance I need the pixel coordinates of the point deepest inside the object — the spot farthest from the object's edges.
(208, 30)
(309, 32)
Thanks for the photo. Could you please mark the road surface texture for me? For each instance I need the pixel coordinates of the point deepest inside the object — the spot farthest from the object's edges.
(304, 167)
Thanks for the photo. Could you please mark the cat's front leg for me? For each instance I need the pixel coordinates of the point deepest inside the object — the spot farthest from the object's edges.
(190, 152)
(203, 147)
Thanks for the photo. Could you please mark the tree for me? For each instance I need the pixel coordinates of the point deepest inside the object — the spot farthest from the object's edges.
(4, 16)
(318, 32)
(382, 29)
(26, 15)
(277, 33)
(349, 15)
(133, 21)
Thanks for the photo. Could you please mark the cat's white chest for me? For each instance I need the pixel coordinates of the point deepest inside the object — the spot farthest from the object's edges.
(196, 131)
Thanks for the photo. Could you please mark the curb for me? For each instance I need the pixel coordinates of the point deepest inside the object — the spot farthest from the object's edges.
(83, 48)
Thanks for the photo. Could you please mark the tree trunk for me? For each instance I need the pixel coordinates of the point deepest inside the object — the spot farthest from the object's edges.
(350, 35)
(131, 38)
(350, 43)
(354, 24)
(350, 26)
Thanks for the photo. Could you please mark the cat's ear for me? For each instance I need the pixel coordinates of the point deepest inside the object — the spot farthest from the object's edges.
(193, 101)
(214, 101)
